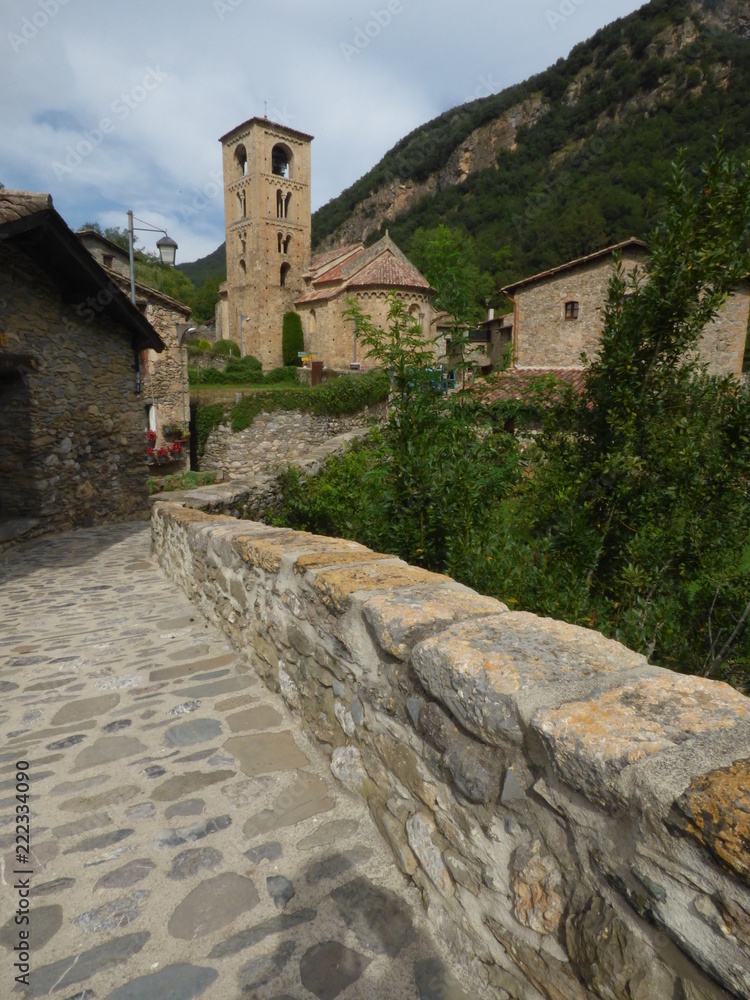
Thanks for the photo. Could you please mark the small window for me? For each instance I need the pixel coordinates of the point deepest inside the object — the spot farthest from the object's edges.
(571, 310)
(108, 259)
(285, 269)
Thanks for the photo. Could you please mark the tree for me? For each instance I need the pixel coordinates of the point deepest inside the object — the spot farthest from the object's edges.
(114, 234)
(292, 340)
(636, 517)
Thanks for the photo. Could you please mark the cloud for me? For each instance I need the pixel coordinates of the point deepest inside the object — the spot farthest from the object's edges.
(121, 105)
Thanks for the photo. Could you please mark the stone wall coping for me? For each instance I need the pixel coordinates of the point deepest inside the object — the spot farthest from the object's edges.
(604, 716)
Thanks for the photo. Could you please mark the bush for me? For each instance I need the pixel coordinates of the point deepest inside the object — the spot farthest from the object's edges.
(348, 394)
(226, 347)
(292, 341)
(279, 375)
(204, 345)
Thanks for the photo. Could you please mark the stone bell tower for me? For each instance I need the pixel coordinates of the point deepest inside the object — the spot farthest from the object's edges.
(267, 213)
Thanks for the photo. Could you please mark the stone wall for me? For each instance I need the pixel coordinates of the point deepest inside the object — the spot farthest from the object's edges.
(329, 334)
(165, 376)
(283, 437)
(577, 820)
(545, 338)
(71, 429)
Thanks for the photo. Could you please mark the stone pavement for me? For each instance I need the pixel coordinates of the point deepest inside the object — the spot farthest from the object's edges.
(187, 840)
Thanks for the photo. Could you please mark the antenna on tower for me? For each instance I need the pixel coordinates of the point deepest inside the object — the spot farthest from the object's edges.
(265, 109)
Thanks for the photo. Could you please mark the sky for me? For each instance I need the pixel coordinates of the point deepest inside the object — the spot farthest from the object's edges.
(112, 105)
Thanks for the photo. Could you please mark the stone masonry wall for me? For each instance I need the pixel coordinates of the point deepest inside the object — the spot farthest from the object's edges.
(282, 437)
(71, 431)
(545, 338)
(576, 819)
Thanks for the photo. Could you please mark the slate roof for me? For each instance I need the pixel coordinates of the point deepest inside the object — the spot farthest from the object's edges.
(631, 243)
(29, 222)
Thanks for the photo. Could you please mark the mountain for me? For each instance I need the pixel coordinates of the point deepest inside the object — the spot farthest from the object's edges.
(214, 265)
(575, 158)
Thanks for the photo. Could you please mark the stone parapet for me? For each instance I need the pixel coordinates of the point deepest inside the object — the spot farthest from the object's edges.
(576, 819)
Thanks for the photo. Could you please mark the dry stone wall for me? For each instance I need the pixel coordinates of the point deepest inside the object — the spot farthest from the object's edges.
(71, 427)
(282, 437)
(577, 820)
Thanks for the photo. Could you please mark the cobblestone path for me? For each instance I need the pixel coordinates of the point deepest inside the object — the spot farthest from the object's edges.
(187, 840)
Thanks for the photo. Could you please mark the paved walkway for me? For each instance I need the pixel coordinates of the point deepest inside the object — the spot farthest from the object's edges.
(187, 840)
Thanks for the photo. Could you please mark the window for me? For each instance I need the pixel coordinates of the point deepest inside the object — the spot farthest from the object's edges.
(285, 269)
(279, 204)
(287, 241)
(240, 159)
(242, 203)
(281, 158)
(571, 310)
(108, 259)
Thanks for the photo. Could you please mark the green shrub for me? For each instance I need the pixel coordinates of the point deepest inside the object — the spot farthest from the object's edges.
(204, 345)
(280, 375)
(206, 418)
(292, 341)
(226, 347)
(348, 394)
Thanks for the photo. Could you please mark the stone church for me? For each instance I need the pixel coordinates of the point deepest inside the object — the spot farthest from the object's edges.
(270, 267)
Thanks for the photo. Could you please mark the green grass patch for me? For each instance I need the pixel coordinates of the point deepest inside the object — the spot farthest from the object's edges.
(180, 481)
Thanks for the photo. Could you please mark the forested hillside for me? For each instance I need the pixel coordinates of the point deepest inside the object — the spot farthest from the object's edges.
(572, 159)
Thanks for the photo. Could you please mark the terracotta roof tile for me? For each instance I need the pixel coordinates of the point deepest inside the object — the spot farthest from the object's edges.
(16, 205)
(387, 269)
(633, 242)
(517, 383)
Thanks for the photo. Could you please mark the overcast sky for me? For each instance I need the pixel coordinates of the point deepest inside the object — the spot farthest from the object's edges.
(117, 104)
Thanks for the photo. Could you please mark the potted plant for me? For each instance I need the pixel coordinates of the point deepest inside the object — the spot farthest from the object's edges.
(162, 454)
(176, 449)
(150, 457)
(151, 438)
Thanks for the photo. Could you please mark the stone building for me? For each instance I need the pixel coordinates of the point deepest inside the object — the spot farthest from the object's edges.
(164, 376)
(270, 270)
(369, 276)
(558, 314)
(267, 212)
(71, 417)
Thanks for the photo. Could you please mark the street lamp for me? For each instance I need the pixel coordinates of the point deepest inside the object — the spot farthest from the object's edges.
(166, 246)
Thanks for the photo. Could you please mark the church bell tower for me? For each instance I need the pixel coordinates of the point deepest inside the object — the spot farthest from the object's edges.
(267, 213)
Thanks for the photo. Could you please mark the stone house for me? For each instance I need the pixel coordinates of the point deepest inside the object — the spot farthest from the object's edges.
(164, 376)
(71, 416)
(369, 276)
(557, 314)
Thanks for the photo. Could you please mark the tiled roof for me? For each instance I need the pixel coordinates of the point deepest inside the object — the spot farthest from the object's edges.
(387, 269)
(518, 383)
(29, 222)
(381, 265)
(633, 242)
(16, 205)
(324, 257)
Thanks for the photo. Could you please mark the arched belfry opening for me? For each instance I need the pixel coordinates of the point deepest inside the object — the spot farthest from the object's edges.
(284, 273)
(240, 160)
(281, 160)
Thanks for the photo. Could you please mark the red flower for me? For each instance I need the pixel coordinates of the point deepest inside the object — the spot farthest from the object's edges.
(151, 436)
(149, 450)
